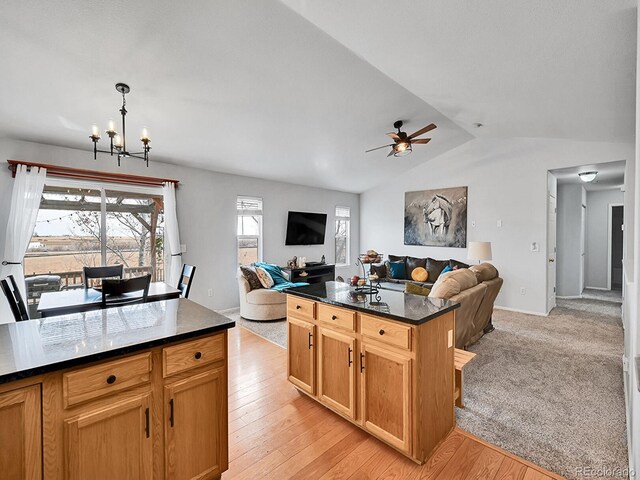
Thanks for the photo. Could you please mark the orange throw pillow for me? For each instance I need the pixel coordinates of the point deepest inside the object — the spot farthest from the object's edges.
(419, 274)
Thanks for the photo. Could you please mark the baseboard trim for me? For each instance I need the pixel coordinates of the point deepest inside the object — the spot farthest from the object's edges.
(599, 288)
(517, 310)
(569, 297)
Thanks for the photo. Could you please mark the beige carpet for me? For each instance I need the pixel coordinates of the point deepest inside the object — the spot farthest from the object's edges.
(551, 389)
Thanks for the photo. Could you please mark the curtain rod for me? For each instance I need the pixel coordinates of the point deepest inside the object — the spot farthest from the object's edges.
(82, 174)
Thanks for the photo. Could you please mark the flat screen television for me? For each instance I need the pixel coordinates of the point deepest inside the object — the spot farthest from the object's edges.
(304, 228)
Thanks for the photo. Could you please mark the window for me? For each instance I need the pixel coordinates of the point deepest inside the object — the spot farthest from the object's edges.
(249, 230)
(81, 225)
(343, 226)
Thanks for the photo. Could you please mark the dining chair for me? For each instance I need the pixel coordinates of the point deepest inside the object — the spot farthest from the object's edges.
(11, 291)
(186, 277)
(116, 288)
(112, 271)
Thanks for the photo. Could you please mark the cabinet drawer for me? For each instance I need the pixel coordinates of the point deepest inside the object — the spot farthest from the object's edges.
(386, 332)
(104, 379)
(195, 353)
(337, 317)
(301, 308)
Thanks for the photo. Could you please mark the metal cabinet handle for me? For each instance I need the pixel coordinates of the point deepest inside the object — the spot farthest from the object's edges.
(111, 379)
(146, 422)
(198, 355)
(381, 332)
(333, 317)
(310, 337)
(349, 362)
(361, 362)
(171, 412)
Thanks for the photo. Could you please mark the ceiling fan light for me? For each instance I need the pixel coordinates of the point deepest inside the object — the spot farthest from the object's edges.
(401, 149)
(588, 177)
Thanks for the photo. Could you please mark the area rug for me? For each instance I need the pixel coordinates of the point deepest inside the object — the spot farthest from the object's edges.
(275, 331)
(551, 389)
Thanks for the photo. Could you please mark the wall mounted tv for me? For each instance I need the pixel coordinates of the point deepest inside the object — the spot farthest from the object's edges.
(304, 228)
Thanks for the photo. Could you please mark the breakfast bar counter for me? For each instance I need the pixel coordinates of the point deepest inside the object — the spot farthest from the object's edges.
(131, 392)
(384, 361)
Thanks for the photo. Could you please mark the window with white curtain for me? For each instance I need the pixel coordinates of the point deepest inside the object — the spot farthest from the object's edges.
(343, 227)
(249, 231)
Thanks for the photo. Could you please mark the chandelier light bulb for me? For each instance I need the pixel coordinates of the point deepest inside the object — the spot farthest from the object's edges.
(95, 131)
(117, 141)
(145, 134)
(112, 127)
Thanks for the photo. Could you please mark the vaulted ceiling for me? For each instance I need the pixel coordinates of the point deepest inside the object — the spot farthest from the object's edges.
(298, 92)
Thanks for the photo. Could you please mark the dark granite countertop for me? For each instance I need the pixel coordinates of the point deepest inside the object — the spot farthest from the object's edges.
(34, 347)
(413, 309)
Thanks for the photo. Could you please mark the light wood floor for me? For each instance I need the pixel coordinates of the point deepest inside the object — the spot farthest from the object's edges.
(277, 433)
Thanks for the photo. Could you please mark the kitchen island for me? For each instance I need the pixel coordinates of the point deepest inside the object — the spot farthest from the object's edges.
(383, 361)
(135, 392)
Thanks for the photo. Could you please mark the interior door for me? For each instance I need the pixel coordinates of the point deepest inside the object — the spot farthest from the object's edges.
(551, 252)
(583, 233)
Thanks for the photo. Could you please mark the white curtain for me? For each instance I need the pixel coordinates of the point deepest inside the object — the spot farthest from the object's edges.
(25, 203)
(173, 256)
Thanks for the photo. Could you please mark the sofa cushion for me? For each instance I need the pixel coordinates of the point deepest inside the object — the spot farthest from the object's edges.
(397, 258)
(455, 264)
(435, 267)
(379, 269)
(265, 278)
(413, 262)
(264, 296)
(419, 274)
(413, 289)
(454, 282)
(397, 270)
(249, 273)
(484, 271)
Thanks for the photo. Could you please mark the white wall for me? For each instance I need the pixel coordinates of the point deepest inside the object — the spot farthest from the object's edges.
(569, 231)
(597, 245)
(206, 203)
(507, 180)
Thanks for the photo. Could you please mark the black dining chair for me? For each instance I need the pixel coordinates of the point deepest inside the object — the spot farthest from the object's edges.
(112, 271)
(18, 308)
(186, 277)
(117, 288)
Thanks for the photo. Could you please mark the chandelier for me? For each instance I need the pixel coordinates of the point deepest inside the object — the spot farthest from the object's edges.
(119, 141)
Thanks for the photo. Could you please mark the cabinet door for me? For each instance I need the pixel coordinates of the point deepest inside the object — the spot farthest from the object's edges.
(386, 395)
(20, 434)
(301, 361)
(196, 426)
(336, 371)
(110, 442)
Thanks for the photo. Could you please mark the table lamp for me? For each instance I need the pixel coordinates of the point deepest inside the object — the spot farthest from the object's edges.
(479, 251)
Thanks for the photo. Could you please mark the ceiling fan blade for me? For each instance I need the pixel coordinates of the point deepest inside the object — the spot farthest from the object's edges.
(426, 129)
(378, 148)
(391, 152)
(420, 141)
(394, 135)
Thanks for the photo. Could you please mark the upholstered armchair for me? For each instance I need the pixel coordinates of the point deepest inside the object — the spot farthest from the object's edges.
(260, 304)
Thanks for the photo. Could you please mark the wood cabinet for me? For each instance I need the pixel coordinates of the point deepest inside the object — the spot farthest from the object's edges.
(195, 426)
(337, 371)
(158, 413)
(21, 434)
(393, 379)
(386, 395)
(110, 442)
(301, 360)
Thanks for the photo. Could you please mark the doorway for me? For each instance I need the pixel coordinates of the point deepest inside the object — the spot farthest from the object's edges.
(616, 236)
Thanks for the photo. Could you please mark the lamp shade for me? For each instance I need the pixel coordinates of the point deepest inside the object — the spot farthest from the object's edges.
(479, 251)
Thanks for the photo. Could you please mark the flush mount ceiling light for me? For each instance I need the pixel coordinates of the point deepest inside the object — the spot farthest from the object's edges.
(119, 142)
(588, 177)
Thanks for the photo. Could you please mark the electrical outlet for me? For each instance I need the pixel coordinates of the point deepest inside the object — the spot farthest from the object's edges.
(210, 292)
(523, 291)
(499, 223)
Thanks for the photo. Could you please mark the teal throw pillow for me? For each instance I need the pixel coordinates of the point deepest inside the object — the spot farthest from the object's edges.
(446, 269)
(398, 270)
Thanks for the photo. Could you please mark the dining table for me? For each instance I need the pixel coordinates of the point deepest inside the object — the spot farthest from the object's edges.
(86, 299)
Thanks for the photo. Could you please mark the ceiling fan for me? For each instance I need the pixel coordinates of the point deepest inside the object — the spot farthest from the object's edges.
(402, 141)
